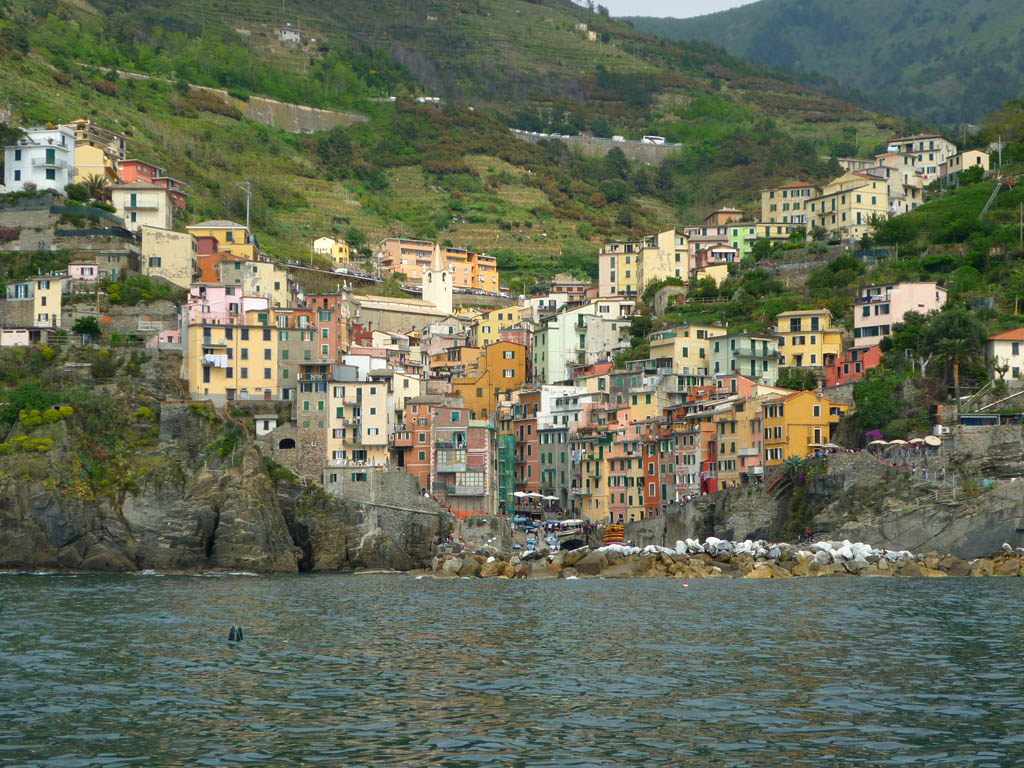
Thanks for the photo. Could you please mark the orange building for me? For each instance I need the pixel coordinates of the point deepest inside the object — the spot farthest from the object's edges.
(500, 368)
(412, 258)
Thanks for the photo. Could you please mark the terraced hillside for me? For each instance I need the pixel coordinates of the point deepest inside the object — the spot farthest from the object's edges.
(451, 171)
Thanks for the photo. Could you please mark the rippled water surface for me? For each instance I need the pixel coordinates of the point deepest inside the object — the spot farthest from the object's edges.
(393, 671)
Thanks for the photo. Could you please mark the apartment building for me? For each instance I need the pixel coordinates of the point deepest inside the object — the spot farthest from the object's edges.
(799, 424)
(141, 204)
(170, 255)
(807, 338)
(748, 354)
(847, 205)
(43, 158)
(337, 251)
(877, 308)
(788, 204)
(413, 258)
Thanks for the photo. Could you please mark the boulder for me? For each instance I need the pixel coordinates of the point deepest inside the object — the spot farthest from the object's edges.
(470, 567)
(574, 556)
(982, 567)
(760, 572)
(1009, 567)
(954, 566)
(591, 564)
(539, 569)
(911, 570)
(626, 568)
(492, 569)
(803, 565)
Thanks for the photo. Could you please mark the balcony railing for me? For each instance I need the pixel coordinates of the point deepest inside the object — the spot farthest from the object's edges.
(447, 467)
(41, 162)
(464, 490)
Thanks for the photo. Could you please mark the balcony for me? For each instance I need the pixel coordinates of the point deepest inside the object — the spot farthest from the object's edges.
(40, 162)
(314, 377)
(748, 452)
(216, 361)
(464, 490)
(351, 421)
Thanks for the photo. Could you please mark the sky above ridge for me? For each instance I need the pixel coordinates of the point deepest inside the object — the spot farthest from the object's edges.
(679, 9)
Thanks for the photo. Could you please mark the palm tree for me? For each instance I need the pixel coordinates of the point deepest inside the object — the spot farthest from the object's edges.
(97, 185)
(957, 352)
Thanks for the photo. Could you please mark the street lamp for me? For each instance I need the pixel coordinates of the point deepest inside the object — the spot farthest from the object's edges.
(246, 187)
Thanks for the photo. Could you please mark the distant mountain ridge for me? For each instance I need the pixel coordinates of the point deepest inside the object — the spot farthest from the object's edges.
(942, 61)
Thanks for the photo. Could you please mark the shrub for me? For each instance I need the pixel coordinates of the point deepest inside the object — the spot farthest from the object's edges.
(66, 411)
(144, 413)
(47, 353)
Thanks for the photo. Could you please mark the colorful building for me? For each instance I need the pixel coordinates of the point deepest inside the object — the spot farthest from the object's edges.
(799, 424)
(788, 204)
(1007, 349)
(807, 338)
(229, 237)
(851, 366)
(877, 308)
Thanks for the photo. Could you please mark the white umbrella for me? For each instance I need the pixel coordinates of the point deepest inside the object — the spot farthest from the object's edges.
(534, 496)
(550, 498)
(933, 441)
(916, 440)
(878, 442)
(898, 442)
(519, 494)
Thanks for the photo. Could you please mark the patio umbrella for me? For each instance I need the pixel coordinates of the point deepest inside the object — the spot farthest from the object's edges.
(519, 494)
(550, 498)
(916, 440)
(898, 442)
(878, 442)
(933, 441)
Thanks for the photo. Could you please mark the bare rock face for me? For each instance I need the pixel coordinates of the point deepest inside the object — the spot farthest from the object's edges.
(251, 531)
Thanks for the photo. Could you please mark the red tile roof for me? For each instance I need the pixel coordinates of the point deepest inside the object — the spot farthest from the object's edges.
(1015, 335)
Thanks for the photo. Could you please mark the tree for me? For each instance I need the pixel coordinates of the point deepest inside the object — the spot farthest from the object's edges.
(27, 397)
(335, 152)
(355, 238)
(87, 326)
(640, 326)
(956, 352)
(877, 397)
(97, 185)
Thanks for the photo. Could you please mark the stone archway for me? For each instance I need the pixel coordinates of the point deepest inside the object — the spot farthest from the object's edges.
(286, 444)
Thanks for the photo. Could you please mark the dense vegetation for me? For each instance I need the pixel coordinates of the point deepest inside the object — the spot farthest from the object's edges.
(943, 61)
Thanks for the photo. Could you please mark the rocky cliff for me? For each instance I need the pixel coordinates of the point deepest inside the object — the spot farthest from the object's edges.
(859, 498)
(193, 505)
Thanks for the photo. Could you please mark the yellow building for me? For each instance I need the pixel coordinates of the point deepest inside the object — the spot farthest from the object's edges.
(485, 330)
(666, 254)
(738, 434)
(798, 424)
(97, 150)
(336, 250)
(618, 269)
(34, 303)
(846, 205)
(233, 362)
(716, 272)
(361, 417)
(807, 338)
(500, 368)
(170, 255)
(687, 347)
(265, 278)
(231, 237)
(787, 204)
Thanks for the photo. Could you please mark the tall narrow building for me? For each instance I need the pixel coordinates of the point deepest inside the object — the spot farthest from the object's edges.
(437, 283)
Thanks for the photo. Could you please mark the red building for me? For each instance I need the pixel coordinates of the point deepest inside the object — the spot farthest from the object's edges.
(851, 366)
(132, 171)
(527, 442)
(450, 455)
(333, 332)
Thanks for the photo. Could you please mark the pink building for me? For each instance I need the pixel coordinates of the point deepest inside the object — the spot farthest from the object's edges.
(216, 304)
(878, 308)
(83, 270)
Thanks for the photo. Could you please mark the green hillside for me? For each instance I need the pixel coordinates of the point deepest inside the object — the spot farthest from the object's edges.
(941, 61)
(451, 171)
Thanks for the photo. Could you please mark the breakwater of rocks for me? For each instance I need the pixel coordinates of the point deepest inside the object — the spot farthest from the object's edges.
(717, 558)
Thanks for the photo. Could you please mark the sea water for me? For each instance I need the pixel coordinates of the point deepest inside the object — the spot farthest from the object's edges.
(136, 670)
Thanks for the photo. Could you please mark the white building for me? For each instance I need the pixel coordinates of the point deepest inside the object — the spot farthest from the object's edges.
(142, 204)
(289, 35)
(1007, 349)
(44, 157)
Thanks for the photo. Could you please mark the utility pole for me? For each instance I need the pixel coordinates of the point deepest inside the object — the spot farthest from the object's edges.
(246, 187)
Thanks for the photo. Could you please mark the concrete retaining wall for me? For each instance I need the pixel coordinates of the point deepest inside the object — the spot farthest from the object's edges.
(652, 154)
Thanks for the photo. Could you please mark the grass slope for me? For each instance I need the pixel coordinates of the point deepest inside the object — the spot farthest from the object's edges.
(944, 61)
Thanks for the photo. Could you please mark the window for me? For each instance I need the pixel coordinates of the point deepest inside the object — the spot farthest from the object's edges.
(245, 334)
(154, 261)
(17, 175)
(817, 411)
(267, 374)
(508, 373)
(509, 354)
